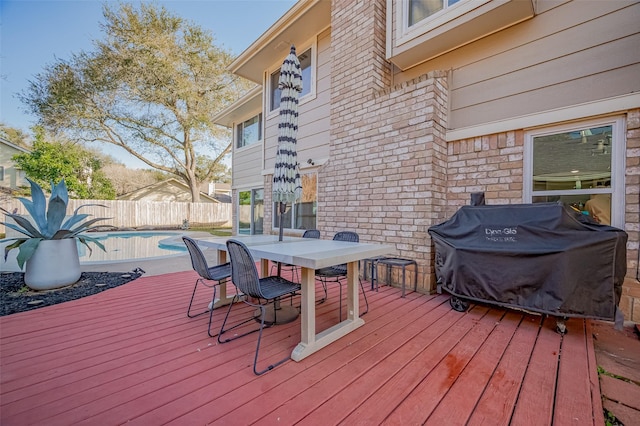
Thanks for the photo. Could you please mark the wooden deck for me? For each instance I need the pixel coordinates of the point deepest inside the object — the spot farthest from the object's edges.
(130, 355)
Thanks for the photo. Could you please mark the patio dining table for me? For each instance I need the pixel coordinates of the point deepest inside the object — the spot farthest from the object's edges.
(309, 255)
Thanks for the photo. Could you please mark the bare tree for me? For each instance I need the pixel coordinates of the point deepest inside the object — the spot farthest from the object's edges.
(151, 87)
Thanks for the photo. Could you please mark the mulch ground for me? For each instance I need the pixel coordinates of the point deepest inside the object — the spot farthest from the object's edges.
(17, 297)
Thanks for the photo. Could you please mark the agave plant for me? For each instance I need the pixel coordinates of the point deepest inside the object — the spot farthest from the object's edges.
(48, 224)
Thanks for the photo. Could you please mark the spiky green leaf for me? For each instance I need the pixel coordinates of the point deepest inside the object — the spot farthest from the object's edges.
(86, 226)
(60, 190)
(15, 244)
(27, 248)
(79, 217)
(84, 239)
(55, 215)
(37, 206)
(25, 226)
(61, 234)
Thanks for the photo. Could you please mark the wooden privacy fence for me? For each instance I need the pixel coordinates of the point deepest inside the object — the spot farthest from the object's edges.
(136, 214)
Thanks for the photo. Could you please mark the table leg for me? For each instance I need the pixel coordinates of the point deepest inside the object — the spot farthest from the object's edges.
(224, 299)
(308, 306)
(311, 342)
(353, 300)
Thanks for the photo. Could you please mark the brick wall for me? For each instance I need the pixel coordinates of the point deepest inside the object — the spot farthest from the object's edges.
(492, 164)
(391, 175)
(386, 174)
(630, 300)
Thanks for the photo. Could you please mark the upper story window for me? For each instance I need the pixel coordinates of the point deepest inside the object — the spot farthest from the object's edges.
(421, 9)
(580, 165)
(423, 29)
(250, 131)
(305, 66)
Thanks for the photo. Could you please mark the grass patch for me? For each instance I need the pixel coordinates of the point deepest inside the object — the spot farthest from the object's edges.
(218, 232)
(615, 376)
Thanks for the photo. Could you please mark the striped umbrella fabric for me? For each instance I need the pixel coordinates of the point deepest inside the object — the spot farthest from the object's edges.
(287, 187)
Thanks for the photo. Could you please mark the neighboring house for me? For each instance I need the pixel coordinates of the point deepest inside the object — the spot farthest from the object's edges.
(11, 177)
(407, 110)
(217, 190)
(167, 190)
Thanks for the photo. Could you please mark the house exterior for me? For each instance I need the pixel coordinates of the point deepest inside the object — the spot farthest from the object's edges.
(410, 106)
(167, 190)
(219, 191)
(11, 177)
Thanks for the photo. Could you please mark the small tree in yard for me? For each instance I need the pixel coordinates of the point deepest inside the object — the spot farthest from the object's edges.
(81, 168)
(151, 87)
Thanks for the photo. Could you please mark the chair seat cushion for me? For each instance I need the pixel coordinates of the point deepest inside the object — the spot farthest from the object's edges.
(220, 272)
(274, 286)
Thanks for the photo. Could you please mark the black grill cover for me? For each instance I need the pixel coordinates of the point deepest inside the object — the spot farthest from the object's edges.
(543, 258)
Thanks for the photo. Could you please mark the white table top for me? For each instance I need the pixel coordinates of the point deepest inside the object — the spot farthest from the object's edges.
(305, 252)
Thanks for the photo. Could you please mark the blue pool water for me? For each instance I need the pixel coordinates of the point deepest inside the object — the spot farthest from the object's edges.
(123, 246)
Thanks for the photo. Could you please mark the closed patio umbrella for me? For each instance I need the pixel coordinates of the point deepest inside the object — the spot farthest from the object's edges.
(286, 176)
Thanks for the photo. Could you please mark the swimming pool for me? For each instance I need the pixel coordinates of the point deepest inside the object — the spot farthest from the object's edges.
(124, 246)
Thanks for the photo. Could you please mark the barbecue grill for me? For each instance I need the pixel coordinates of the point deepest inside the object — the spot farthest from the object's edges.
(544, 258)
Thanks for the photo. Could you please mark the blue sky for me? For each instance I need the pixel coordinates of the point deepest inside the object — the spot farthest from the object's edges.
(33, 33)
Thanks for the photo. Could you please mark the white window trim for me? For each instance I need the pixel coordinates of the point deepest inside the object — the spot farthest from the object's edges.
(408, 33)
(275, 212)
(235, 134)
(312, 89)
(236, 202)
(618, 149)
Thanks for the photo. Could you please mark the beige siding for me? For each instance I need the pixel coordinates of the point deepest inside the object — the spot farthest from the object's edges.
(13, 178)
(247, 166)
(313, 119)
(544, 63)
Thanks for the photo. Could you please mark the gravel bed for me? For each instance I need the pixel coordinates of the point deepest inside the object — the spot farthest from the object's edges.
(17, 297)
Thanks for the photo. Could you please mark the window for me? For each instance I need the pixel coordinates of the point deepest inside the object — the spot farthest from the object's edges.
(249, 131)
(303, 213)
(581, 166)
(251, 212)
(424, 29)
(421, 9)
(1, 172)
(305, 67)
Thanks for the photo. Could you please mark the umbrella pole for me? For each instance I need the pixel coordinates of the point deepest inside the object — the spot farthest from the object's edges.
(282, 209)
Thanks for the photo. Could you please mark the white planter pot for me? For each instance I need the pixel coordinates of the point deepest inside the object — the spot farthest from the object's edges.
(54, 264)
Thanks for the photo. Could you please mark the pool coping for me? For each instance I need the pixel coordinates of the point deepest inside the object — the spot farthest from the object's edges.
(11, 265)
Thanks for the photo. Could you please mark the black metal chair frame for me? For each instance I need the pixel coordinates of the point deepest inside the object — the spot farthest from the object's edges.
(216, 274)
(309, 233)
(336, 273)
(244, 275)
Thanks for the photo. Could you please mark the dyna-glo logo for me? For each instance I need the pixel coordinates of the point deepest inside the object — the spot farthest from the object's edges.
(501, 235)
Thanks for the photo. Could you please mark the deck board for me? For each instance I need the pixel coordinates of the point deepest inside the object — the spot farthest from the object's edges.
(506, 380)
(130, 354)
(472, 382)
(534, 405)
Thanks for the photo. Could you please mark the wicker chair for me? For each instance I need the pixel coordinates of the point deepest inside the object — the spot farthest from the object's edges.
(309, 233)
(215, 274)
(244, 275)
(336, 273)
